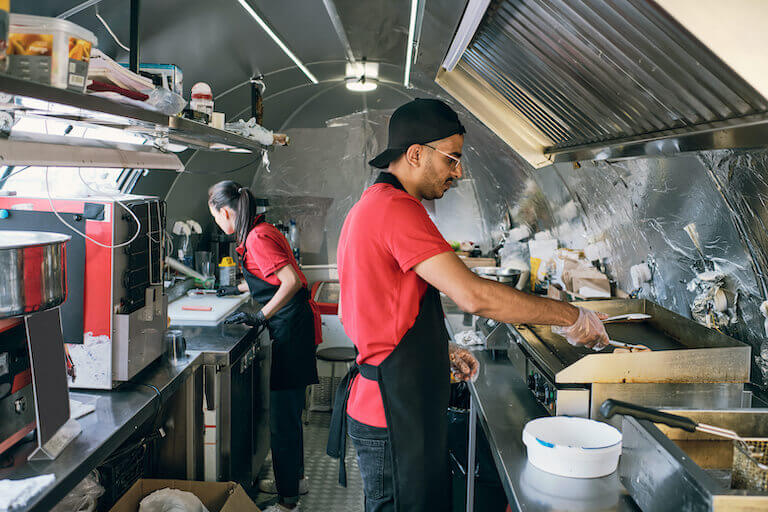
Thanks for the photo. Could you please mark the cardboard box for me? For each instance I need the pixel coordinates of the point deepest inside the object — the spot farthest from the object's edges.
(216, 496)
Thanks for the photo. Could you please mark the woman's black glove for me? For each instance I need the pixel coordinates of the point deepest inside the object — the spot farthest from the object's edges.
(242, 317)
(227, 290)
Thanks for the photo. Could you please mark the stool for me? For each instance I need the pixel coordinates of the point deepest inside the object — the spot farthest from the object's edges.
(335, 355)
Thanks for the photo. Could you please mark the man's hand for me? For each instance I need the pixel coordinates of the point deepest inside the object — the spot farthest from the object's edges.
(588, 330)
(463, 364)
(242, 317)
(227, 290)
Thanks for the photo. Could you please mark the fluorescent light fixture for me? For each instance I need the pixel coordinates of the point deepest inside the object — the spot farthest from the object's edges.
(409, 49)
(362, 76)
(277, 40)
(361, 84)
(473, 15)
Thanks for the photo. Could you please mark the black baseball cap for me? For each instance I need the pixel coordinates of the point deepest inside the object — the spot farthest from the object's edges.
(417, 122)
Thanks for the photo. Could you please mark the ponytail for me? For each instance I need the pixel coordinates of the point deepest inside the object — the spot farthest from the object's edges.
(240, 200)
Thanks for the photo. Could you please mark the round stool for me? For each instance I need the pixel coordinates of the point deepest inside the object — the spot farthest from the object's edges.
(334, 355)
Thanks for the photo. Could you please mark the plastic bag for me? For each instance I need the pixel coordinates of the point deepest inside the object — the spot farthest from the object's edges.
(166, 102)
(171, 500)
(84, 497)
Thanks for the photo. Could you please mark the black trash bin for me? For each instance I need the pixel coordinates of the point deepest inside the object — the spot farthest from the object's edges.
(489, 493)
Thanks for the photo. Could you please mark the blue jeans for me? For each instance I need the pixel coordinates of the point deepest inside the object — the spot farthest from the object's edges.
(287, 441)
(374, 457)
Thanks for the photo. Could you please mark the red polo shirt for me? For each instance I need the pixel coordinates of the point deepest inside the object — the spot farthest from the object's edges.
(266, 252)
(385, 235)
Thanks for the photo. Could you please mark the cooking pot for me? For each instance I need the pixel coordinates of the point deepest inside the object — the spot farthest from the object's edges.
(33, 271)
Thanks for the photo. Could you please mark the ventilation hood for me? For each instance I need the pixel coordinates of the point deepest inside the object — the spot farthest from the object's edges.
(567, 80)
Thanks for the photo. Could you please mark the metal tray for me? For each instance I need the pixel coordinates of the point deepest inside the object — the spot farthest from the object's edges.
(682, 350)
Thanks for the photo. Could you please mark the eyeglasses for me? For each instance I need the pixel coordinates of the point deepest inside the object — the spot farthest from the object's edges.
(456, 161)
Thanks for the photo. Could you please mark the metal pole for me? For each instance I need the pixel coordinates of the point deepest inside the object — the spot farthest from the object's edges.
(471, 454)
(133, 62)
(338, 26)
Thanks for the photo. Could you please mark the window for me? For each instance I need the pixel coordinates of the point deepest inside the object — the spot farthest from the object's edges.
(68, 181)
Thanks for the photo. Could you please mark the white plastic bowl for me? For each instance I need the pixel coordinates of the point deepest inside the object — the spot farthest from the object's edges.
(573, 447)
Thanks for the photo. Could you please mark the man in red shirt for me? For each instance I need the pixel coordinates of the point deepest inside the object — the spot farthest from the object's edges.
(392, 261)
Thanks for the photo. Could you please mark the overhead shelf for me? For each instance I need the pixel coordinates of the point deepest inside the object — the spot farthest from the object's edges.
(94, 110)
(62, 151)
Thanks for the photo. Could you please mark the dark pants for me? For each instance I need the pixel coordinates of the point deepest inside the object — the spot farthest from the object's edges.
(374, 457)
(287, 441)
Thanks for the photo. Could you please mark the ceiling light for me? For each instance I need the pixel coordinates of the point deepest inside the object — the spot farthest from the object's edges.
(411, 38)
(362, 76)
(277, 40)
(473, 14)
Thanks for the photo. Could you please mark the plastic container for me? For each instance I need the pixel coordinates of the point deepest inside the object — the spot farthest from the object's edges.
(572, 447)
(227, 272)
(202, 99)
(50, 51)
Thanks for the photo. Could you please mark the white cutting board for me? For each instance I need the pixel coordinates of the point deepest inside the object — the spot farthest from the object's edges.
(221, 307)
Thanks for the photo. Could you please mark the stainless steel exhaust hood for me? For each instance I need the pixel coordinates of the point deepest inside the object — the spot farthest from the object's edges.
(565, 80)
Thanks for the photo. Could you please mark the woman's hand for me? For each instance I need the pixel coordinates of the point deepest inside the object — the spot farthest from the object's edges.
(241, 317)
(225, 291)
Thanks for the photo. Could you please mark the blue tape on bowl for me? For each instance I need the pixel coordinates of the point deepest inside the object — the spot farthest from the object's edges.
(544, 443)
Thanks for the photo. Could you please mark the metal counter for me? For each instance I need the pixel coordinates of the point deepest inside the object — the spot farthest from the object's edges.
(236, 368)
(503, 404)
(219, 345)
(118, 414)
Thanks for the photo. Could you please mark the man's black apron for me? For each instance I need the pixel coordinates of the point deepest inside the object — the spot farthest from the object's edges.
(292, 330)
(415, 387)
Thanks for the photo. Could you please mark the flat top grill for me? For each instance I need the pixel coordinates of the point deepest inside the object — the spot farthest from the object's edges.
(682, 350)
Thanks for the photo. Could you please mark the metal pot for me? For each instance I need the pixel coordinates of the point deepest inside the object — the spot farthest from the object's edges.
(33, 271)
(508, 276)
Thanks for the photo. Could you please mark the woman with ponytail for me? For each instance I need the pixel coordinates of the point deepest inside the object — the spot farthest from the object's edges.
(274, 279)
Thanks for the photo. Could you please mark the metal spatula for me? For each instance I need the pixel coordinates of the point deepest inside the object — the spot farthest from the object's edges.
(629, 317)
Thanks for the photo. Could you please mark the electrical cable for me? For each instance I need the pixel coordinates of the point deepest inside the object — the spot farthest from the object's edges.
(56, 213)
(14, 173)
(124, 207)
(106, 26)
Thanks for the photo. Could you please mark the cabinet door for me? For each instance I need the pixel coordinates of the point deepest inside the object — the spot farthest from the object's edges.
(242, 420)
(261, 374)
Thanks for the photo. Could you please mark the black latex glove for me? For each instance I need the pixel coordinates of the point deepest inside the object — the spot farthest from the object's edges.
(242, 317)
(227, 290)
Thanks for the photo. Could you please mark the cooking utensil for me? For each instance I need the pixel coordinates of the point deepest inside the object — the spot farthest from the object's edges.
(200, 292)
(628, 317)
(33, 271)
(630, 346)
(197, 308)
(750, 455)
(572, 447)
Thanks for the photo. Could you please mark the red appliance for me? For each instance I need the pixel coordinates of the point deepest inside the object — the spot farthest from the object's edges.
(116, 311)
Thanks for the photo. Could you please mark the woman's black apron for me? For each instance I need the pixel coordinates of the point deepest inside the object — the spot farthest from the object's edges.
(415, 386)
(292, 330)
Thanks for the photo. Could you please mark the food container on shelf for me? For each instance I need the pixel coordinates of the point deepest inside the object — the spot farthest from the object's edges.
(5, 20)
(572, 447)
(50, 51)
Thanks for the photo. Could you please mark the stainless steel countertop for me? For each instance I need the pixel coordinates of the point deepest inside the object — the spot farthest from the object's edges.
(221, 344)
(505, 405)
(118, 414)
